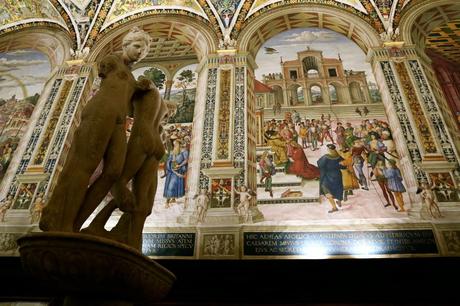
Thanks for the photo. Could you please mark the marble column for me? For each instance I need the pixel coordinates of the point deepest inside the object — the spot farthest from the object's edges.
(227, 131)
(168, 86)
(260, 126)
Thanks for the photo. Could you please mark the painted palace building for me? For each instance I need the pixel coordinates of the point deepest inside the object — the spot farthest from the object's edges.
(296, 118)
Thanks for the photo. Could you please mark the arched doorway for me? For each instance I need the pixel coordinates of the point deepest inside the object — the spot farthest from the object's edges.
(316, 94)
(295, 95)
(333, 94)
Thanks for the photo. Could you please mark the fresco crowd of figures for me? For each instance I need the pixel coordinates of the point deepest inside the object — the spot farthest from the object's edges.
(354, 146)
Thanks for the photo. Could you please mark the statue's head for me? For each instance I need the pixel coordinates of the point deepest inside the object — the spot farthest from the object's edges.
(136, 45)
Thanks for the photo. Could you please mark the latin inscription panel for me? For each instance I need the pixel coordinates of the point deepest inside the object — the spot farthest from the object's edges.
(318, 244)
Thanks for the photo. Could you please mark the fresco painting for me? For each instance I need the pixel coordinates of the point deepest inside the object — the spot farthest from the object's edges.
(327, 150)
(170, 195)
(259, 4)
(16, 11)
(122, 8)
(284, 141)
(444, 187)
(23, 74)
(24, 196)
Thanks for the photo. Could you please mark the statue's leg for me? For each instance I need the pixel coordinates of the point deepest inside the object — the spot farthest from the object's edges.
(97, 225)
(61, 210)
(63, 205)
(133, 162)
(114, 159)
(144, 188)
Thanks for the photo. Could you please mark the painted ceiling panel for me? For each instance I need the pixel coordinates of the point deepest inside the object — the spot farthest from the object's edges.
(258, 4)
(81, 4)
(445, 40)
(384, 6)
(123, 8)
(226, 10)
(14, 12)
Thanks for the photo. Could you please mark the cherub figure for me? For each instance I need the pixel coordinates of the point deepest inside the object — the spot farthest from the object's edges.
(429, 202)
(5, 204)
(37, 208)
(245, 196)
(202, 201)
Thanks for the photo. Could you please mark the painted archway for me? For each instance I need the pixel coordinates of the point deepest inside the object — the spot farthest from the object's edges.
(283, 19)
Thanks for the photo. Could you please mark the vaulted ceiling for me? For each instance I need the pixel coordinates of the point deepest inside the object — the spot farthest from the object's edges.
(86, 19)
(445, 40)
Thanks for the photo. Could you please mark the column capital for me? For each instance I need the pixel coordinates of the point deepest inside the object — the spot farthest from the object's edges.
(227, 58)
(393, 51)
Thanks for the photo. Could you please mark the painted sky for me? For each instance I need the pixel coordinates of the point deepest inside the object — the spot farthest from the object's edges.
(31, 68)
(331, 43)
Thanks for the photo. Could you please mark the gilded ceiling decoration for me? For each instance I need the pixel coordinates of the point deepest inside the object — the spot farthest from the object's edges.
(87, 19)
(13, 12)
(306, 20)
(259, 4)
(226, 10)
(445, 40)
(123, 8)
(83, 13)
(170, 41)
(366, 11)
(436, 19)
(80, 4)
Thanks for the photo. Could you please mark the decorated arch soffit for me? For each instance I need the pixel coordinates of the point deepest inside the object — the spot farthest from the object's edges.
(121, 9)
(445, 40)
(259, 4)
(365, 9)
(435, 27)
(400, 7)
(19, 14)
(113, 13)
(83, 14)
(170, 42)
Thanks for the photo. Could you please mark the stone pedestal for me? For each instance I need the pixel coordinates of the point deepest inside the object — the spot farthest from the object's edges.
(223, 212)
(221, 216)
(90, 270)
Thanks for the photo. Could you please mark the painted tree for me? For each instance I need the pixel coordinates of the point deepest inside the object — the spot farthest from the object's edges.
(184, 80)
(156, 76)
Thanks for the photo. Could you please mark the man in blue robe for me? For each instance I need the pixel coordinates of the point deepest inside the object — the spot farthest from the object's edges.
(176, 168)
(330, 181)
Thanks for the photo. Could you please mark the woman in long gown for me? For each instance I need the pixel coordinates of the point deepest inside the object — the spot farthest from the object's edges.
(299, 164)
